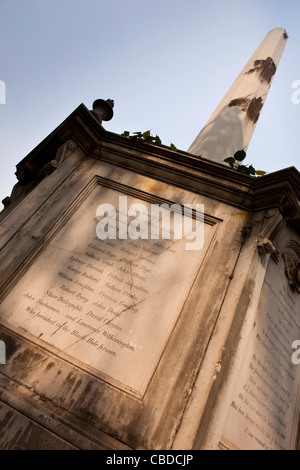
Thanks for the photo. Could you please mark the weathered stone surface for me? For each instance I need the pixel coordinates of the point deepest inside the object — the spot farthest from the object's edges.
(262, 411)
(19, 433)
(98, 300)
(189, 325)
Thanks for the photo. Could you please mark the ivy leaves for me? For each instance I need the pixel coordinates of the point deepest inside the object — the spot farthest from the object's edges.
(148, 138)
(235, 163)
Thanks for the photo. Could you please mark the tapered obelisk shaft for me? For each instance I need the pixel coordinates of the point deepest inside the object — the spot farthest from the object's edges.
(232, 124)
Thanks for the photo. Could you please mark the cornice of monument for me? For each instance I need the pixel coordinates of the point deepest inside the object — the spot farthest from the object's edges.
(280, 189)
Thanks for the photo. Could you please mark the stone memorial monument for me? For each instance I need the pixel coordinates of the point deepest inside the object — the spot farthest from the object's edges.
(149, 298)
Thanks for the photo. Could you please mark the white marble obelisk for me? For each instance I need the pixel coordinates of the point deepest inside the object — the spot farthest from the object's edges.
(232, 124)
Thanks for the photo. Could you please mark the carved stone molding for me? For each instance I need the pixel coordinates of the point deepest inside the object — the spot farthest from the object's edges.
(23, 187)
(31, 175)
(272, 224)
(65, 150)
(292, 271)
(265, 246)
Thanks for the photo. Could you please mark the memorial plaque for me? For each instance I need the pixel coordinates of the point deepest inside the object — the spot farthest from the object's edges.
(107, 305)
(265, 406)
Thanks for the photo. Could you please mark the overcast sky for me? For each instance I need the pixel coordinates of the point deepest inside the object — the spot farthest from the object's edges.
(165, 63)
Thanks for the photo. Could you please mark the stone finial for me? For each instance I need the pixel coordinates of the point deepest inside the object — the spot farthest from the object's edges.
(232, 124)
(103, 109)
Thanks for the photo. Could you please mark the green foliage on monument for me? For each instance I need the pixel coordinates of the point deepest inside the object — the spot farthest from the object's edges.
(235, 163)
(148, 138)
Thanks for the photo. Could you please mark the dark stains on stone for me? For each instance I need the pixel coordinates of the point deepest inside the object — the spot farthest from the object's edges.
(50, 365)
(70, 380)
(251, 107)
(254, 109)
(12, 346)
(241, 103)
(265, 68)
(285, 35)
(77, 385)
(84, 395)
(25, 357)
(7, 421)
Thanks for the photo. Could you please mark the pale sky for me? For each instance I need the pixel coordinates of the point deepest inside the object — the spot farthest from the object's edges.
(165, 63)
